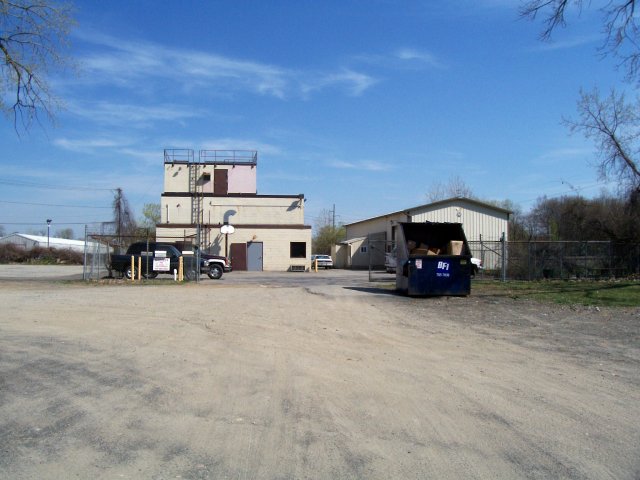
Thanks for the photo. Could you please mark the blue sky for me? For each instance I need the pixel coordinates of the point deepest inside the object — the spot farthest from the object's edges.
(365, 105)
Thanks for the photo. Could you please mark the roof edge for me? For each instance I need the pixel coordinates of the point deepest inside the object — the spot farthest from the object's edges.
(439, 202)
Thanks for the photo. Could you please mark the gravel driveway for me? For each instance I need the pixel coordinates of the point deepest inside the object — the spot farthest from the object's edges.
(329, 378)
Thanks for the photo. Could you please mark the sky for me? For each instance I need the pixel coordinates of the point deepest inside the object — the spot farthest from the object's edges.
(361, 105)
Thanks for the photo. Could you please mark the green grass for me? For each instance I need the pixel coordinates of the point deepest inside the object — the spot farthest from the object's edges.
(597, 293)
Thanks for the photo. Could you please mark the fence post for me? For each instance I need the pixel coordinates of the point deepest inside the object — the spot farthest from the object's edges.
(529, 259)
(611, 261)
(369, 254)
(198, 243)
(482, 252)
(586, 255)
(503, 239)
(84, 259)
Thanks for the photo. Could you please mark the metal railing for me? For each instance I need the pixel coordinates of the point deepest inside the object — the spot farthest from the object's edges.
(232, 157)
(178, 155)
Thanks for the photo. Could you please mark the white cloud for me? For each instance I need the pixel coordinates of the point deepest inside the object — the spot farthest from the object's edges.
(129, 114)
(575, 42)
(569, 153)
(86, 145)
(355, 83)
(426, 58)
(403, 58)
(127, 64)
(117, 147)
(239, 143)
(366, 165)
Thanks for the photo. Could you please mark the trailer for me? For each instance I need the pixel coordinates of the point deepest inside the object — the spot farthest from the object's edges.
(433, 259)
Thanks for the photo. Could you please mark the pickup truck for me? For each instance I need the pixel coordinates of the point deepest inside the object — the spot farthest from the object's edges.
(166, 258)
(214, 265)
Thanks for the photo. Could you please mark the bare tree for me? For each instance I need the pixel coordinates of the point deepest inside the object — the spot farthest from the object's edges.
(612, 123)
(619, 21)
(33, 35)
(65, 233)
(326, 233)
(123, 219)
(578, 218)
(455, 187)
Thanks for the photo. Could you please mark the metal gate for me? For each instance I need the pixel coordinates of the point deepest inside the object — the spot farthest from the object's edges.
(382, 266)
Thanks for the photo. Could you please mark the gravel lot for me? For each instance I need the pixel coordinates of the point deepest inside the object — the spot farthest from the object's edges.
(320, 376)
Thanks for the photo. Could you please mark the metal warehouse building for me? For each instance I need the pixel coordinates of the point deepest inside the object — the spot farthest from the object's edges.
(482, 222)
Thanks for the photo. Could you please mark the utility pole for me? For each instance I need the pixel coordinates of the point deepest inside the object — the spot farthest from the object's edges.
(334, 217)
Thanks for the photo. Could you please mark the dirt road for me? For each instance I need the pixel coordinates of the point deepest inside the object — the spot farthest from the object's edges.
(326, 381)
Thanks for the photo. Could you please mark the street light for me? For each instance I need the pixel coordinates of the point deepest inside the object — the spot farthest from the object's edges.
(48, 228)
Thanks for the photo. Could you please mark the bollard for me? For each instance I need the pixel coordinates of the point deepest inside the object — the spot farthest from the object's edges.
(181, 269)
(175, 275)
(139, 268)
(315, 265)
(133, 268)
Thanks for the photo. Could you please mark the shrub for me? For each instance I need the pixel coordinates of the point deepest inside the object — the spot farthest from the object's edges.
(41, 255)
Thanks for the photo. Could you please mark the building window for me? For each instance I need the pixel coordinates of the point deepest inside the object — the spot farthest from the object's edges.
(363, 249)
(298, 249)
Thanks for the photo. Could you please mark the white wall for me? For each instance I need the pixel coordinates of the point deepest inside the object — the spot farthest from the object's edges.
(241, 178)
(275, 241)
(248, 210)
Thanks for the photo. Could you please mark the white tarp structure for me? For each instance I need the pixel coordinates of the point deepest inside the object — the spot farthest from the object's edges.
(30, 241)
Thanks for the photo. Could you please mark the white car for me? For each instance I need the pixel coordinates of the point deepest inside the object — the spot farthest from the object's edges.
(390, 262)
(476, 264)
(324, 261)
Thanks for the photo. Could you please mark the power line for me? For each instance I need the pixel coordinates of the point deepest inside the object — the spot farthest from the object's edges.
(51, 204)
(56, 223)
(20, 183)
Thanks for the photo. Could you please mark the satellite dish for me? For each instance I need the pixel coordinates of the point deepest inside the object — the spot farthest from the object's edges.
(227, 229)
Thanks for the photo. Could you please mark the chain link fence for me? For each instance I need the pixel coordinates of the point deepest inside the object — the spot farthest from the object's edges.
(536, 260)
(382, 260)
(530, 260)
(102, 244)
(99, 248)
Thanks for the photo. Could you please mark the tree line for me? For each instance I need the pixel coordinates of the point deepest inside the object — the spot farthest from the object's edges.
(577, 218)
(607, 217)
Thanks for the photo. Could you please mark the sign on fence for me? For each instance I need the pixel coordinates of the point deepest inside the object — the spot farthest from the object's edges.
(161, 264)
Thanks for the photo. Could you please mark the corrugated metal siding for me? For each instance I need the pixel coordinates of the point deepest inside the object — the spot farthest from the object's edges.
(375, 225)
(475, 219)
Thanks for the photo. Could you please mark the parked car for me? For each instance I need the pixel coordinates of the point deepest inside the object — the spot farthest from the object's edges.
(324, 261)
(476, 264)
(390, 261)
(214, 265)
